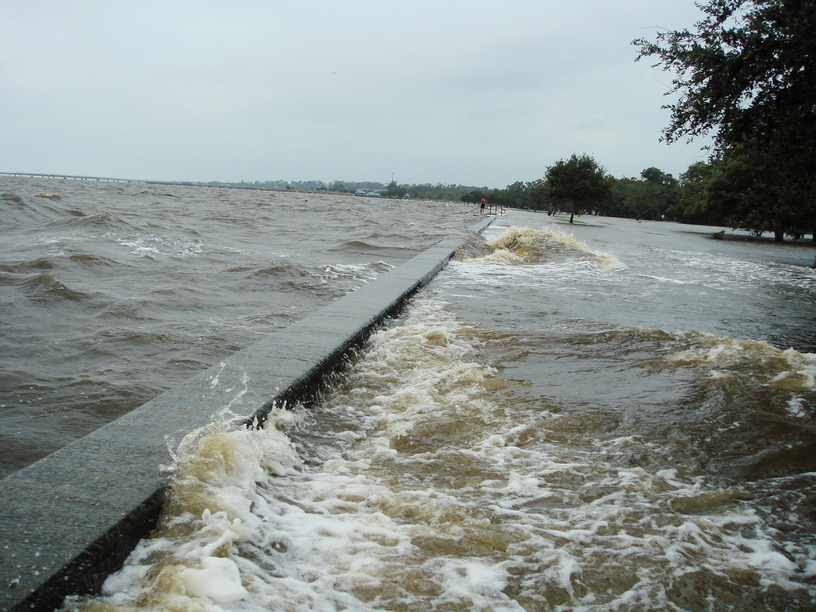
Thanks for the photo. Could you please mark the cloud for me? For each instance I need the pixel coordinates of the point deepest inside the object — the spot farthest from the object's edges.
(477, 93)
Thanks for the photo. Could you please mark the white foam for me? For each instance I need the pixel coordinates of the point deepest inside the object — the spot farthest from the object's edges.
(217, 580)
(796, 406)
(435, 488)
(785, 369)
(477, 583)
(365, 272)
(191, 562)
(526, 245)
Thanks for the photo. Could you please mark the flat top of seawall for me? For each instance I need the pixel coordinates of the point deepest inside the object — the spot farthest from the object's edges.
(70, 519)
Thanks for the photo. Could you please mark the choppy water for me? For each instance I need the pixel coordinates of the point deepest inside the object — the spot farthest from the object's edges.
(111, 293)
(611, 416)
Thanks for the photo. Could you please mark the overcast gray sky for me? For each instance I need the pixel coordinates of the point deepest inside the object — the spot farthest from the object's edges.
(473, 92)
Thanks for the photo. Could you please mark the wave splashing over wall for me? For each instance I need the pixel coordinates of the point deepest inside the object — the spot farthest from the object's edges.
(526, 245)
(190, 561)
(111, 293)
(426, 480)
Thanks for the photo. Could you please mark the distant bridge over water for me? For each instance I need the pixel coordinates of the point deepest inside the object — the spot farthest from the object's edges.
(107, 179)
(69, 177)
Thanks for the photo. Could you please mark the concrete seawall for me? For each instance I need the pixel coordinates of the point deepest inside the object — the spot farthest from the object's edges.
(70, 519)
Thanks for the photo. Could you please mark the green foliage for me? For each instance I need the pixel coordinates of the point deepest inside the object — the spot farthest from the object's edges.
(655, 176)
(629, 198)
(393, 190)
(577, 184)
(538, 195)
(438, 191)
(654, 196)
(473, 197)
(694, 200)
(517, 195)
(746, 75)
(758, 196)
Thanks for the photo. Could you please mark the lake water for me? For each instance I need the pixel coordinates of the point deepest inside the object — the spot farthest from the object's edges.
(605, 416)
(111, 293)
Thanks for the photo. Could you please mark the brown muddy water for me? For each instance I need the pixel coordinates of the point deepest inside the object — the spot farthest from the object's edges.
(606, 416)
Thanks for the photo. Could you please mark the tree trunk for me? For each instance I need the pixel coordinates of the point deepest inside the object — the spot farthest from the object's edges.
(779, 235)
(572, 216)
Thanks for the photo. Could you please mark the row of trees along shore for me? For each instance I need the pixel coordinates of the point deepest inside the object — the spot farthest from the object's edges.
(746, 75)
(705, 194)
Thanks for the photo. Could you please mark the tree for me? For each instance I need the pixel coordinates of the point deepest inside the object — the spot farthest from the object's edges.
(577, 183)
(746, 76)
(660, 193)
(694, 199)
(473, 197)
(538, 196)
(516, 195)
(655, 176)
(393, 190)
(754, 195)
(746, 72)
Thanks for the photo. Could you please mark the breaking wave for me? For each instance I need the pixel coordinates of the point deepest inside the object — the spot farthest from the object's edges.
(422, 482)
(525, 245)
(758, 360)
(42, 287)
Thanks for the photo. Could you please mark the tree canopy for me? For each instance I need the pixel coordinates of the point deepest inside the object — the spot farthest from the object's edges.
(747, 76)
(746, 72)
(577, 183)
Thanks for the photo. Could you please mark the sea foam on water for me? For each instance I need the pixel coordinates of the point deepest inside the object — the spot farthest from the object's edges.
(427, 479)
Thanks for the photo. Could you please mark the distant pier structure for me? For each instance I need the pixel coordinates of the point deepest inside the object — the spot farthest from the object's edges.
(107, 179)
(69, 177)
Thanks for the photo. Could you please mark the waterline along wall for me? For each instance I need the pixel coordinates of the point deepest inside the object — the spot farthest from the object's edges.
(70, 519)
